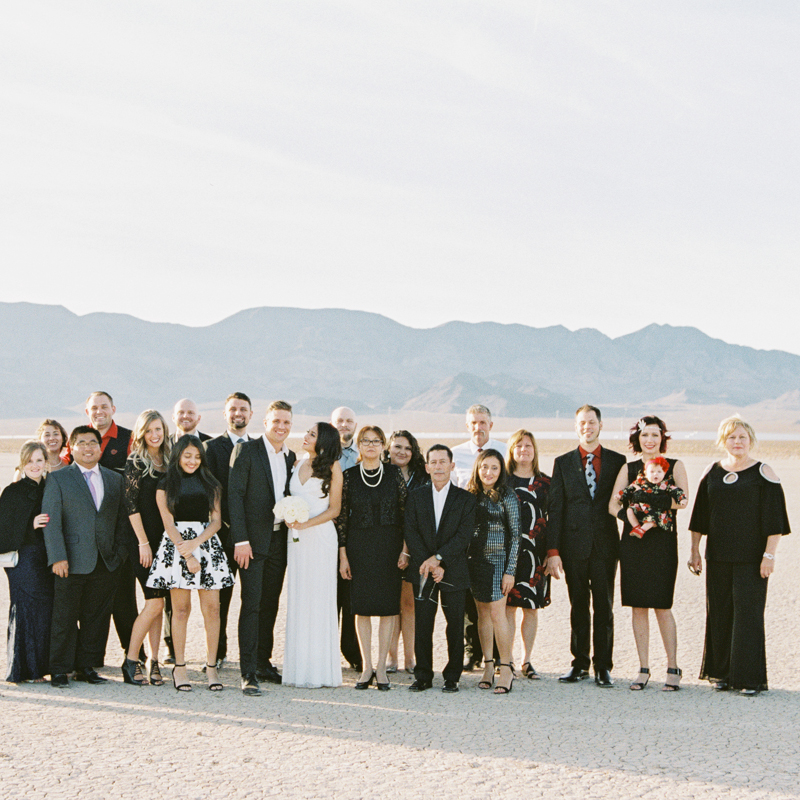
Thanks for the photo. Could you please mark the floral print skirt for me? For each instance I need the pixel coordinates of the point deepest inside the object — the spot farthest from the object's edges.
(169, 570)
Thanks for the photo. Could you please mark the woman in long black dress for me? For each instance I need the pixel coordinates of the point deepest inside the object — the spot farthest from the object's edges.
(145, 467)
(190, 555)
(531, 590)
(649, 565)
(30, 582)
(493, 563)
(371, 552)
(404, 452)
(741, 509)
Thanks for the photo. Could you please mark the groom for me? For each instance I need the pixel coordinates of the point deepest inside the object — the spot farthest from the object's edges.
(259, 478)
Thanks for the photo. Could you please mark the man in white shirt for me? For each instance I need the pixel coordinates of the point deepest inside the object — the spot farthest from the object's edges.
(479, 425)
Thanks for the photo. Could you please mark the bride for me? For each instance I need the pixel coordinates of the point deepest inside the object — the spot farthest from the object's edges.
(311, 653)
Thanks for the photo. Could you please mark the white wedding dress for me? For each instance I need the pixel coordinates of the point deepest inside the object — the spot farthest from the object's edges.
(311, 652)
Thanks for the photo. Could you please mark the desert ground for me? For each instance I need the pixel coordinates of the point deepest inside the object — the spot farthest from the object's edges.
(543, 740)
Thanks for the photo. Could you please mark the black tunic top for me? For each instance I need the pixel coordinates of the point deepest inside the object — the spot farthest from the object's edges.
(140, 498)
(192, 504)
(737, 511)
(19, 504)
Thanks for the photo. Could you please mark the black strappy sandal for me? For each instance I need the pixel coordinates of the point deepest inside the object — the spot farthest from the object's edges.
(637, 686)
(156, 679)
(214, 686)
(484, 684)
(673, 687)
(503, 689)
(183, 687)
(529, 672)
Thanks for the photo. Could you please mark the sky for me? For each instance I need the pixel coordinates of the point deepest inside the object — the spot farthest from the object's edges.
(548, 162)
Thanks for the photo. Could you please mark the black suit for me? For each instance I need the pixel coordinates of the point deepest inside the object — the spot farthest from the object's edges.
(450, 541)
(203, 437)
(218, 453)
(251, 498)
(93, 543)
(587, 539)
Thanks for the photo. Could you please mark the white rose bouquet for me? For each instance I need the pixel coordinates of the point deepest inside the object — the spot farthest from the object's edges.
(291, 509)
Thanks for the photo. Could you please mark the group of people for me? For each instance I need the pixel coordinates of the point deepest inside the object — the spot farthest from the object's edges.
(377, 529)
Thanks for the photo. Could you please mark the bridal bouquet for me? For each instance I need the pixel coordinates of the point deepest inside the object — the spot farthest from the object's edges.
(291, 509)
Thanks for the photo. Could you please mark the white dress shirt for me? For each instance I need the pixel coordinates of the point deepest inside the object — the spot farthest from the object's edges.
(277, 463)
(464, 456)
(234, 437)
(97, 482)
(439, 499)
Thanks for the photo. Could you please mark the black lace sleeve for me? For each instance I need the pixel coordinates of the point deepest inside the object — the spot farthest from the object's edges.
(402, 495)
(133, 477)
(342, 519)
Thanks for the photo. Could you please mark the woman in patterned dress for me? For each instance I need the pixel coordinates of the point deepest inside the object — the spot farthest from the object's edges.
(190, 555)
(493, 563)
(531, 589)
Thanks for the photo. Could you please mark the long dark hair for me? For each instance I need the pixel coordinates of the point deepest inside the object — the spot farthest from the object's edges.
(416, 466)
(172, 481)
(476, 484)
(328, 449)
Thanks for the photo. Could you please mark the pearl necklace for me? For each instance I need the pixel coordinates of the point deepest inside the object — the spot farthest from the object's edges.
(378, 474)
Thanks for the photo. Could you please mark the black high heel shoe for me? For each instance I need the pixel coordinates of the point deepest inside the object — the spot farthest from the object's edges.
(503, 689)
(180, 687)
(673, 687)
(366, 684)
(132, 672)
(637, 686)
(382, 687)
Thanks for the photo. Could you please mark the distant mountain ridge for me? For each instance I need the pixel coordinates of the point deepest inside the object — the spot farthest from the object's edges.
(318, 359)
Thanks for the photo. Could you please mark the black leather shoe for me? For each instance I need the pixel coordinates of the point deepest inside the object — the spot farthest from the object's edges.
(250, 685)
(383, 687)
(88, 675)
(420, 686)
(471, 663)
(365, 684)
(602, 677)
(268, 674)
(450, 687)
(60, 681)
(574, 675)
(132, 672)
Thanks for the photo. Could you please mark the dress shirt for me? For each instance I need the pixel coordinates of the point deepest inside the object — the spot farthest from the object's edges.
(439, 499)
(595, 463)
(234, 437)
(464, 456)
(97, 482)
(348, 458)
(277, 463)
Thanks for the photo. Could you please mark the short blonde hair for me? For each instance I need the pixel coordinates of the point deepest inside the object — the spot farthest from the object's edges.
(27, 451)
(729, 425)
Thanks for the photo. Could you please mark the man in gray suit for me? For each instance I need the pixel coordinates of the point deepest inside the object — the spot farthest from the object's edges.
(85, 540)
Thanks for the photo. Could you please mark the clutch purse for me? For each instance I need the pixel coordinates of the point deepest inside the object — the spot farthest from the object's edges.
(9, 559)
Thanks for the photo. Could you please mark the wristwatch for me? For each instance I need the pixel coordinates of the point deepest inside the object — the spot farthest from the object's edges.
(438, 557)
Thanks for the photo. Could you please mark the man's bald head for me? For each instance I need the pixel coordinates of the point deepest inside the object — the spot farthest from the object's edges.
(344, 420)
(185, 416)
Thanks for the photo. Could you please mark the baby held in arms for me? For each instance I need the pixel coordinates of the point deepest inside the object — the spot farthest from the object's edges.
(649, 498)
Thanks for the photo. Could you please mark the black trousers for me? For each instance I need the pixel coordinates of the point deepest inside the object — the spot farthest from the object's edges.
(261, 585)
(124, 608)
(735, 646)
(85, 601)
(591, 578)
(349, 641)
(453, 605)
(225, 594)
(472, 639)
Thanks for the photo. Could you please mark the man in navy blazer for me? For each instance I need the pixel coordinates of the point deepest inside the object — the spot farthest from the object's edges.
(259, 477)
(85, 541)
(583, 540)
(439, 524)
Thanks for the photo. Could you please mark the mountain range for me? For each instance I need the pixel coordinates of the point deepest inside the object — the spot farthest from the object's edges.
(318, 359)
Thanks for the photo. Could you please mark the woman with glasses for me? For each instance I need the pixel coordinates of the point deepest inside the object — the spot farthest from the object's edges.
(371, 551)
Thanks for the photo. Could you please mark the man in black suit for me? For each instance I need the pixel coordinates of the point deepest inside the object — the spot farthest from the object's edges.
(439, 524)
(583, 539)
(238, 413)
(85, 541)
(259, 477)
(186, 417)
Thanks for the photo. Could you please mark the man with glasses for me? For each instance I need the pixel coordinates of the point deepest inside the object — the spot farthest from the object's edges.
(85, 541)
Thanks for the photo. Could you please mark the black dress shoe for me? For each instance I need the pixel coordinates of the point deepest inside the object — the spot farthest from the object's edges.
(471, 663)
(420, 685)
(450, 687)
(602, 677)
(60, 681)
(268, 674)
(574, 675)
(88, 675)
(365, 684)
(250, 685)
(721, 686)
(383, 687)
(132, 672)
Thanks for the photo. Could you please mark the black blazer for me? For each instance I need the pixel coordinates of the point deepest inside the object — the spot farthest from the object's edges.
(218, 454)
(251, 496)
(203, 437)
(77, 532)
(575, 522)
(19, 504)
(450, 541)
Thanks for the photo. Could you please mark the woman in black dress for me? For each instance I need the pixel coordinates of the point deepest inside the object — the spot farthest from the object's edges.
(145, 467)
(649, 565)
(531, 590)
(404, 453)
(741, 509)
(30, 582)
(371, 551)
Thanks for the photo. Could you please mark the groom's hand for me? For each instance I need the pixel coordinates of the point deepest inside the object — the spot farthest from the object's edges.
(242, 554)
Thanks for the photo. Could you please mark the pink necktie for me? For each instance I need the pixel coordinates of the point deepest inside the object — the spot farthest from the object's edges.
(90, 483)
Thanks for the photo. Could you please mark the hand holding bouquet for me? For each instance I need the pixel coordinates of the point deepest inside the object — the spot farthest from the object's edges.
(291, 509)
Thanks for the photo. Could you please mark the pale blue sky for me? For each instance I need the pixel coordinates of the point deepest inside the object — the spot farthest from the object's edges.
(591, 164)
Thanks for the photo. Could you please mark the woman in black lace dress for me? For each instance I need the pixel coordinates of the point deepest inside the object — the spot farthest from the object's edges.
(30, 582)
(371, 551)
(145, 467)
(190, 555)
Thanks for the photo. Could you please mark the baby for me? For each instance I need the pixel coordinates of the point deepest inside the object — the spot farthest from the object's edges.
(649, 498)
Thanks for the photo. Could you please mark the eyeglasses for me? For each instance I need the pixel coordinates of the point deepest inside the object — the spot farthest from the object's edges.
(372, 442)
(87, 445)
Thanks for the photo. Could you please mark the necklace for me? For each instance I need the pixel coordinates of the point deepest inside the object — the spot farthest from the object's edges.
(377, 473)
